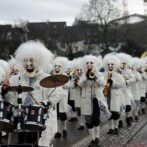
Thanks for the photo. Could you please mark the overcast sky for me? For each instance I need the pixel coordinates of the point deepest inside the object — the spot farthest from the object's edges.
(40, 10)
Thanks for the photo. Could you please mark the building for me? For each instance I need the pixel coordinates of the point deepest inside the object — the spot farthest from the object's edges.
(133, 7)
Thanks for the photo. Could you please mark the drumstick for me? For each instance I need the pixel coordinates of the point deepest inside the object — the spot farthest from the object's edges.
(33, 97)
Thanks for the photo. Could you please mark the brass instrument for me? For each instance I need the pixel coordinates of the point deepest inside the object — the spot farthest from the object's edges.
(91, 75)
(71, 73)
(107, 87)
(76, 80)
(119, 70)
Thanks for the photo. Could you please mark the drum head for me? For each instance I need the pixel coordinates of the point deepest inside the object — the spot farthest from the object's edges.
(35, 128)
(4, 126)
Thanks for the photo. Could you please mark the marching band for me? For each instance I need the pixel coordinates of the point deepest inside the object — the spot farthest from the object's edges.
(40, 93)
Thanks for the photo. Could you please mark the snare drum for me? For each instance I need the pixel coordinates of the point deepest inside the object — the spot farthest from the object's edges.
(35, 118)
(6, 116)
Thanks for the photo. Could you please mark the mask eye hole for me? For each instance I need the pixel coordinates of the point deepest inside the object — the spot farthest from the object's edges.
(89, 62)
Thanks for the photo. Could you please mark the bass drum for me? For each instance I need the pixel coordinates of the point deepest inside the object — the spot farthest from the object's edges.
(35, 117)
(6, 116)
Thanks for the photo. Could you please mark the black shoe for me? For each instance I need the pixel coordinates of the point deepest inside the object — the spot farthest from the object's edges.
(81, 128)
(64, 134)
(115, 131)
(97, 141)
(120, 125)
(92, 144)
(111, 131)
(128, 121)
(136, 118)
(58, 135)
(143, 111)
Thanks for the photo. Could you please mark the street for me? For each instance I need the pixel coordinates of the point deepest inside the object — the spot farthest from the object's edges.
(134, 136)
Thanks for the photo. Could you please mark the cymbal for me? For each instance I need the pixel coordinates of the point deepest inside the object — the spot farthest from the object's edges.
(54, 81)
(20, 89)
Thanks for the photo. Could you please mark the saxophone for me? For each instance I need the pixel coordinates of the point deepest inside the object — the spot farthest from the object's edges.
(106, 89)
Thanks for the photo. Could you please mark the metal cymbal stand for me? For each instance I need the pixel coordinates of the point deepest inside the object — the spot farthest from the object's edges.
(19, 101)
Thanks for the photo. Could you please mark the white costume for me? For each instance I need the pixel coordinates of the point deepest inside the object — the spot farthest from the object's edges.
(129, 78)
(136, 86)
(59, 67)
(111, 63)
(91, 88)
(92, 91)
(33, 56)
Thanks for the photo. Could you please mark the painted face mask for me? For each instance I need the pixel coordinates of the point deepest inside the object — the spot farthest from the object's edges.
(110, 66)
(79, 72)
(30, 66)
(89, 65)
(57, 69)
(123, 65)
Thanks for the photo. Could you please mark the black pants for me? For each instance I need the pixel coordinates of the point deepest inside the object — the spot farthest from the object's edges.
(94, 119)
(61, 116)
(72, 104)
(114, 115)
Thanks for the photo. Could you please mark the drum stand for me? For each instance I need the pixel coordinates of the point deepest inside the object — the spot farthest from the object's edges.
(19, 101)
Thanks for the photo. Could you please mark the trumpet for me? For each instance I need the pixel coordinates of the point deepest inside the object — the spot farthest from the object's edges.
(76, 80)
(90, 75)
(119, 70)
(71, 73)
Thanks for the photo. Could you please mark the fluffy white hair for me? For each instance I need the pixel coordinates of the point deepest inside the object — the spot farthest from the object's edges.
(125, 58)
(96, 60)
(76, 64)
(111, 58)
(62, 61)
(136, 63)
(3, 74)
(145, 60)
(35, 50)
(5, 67)
(142, 63)
(13, 64)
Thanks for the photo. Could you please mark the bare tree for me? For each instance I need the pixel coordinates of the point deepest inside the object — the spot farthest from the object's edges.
(102, 12)
(21, 25)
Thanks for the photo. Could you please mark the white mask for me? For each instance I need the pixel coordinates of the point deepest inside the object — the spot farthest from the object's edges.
(89, 65)
(30, 66)
(123, 65)
(110, 66)
(57, 69)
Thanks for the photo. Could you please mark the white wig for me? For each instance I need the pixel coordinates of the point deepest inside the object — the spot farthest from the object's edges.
(13, 64)
(125, 58)
(5, 67)
(145, 60)
(35, 50)
(111, 58)
(3, 74)
(136, 63)
(76, 64)
(96, 60)
(62, 61)
(142, 63)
